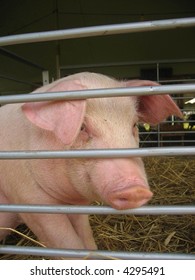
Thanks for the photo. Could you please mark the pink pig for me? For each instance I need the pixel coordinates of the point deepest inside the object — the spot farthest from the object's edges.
(63, 125)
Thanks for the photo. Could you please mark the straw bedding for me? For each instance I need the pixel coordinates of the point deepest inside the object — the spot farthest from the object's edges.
(172, 179)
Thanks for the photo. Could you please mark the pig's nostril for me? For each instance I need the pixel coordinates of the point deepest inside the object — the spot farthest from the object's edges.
(122, 199)
(130, 198)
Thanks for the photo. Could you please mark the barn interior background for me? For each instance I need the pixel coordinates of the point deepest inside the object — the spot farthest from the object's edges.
(166, 56)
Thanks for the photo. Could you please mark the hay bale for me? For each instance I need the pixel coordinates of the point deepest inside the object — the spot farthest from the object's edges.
(172, 179)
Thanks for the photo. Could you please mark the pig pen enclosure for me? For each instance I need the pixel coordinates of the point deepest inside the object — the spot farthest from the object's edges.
(139, 236)
(165, 228)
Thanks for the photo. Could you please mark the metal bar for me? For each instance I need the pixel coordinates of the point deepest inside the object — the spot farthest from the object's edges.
(102, 30)
(99, 93)
(186, 131)
(87, 254)
(99, 153)
(177, 121)
(20, 59)
(100, 210)
(166, 141)
(183, 97)
(177, 132)
(177, 81)
(45, 77)
(127, 63)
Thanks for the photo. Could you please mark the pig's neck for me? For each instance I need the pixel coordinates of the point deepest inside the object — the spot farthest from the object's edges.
(51, 176)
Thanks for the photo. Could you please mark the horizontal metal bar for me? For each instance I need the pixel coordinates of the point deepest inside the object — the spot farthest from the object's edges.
(185, 132)
(175, 132)
(165, 142)
(99, 153)
(87, 254)
(145, 141)
(177, 81)
(127, 63)
(102, 30)
(175, 121)
(99, 93)
(101, 210)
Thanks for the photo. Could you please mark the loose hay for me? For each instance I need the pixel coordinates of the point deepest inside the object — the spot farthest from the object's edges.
(172, 179)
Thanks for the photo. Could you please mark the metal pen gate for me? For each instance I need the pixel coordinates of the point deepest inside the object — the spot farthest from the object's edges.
(113, 153)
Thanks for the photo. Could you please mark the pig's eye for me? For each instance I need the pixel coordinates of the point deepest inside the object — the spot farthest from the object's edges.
(135, 126)
(84, 133)
(83, 127)
(135, 130)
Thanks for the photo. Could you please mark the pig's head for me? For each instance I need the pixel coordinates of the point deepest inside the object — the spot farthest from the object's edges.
(102, 123)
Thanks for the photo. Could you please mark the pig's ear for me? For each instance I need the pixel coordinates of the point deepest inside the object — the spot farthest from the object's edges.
(140, 83)
(63, 118)
(153, 109)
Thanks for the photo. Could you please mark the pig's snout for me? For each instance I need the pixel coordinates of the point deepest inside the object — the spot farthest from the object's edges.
(129, 197)
(121, 183)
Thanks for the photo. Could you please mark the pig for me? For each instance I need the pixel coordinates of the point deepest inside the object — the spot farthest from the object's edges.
(75, 124)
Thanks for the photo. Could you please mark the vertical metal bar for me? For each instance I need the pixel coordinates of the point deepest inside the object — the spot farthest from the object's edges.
(157, 72)
(158, 126)
(45, 77)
